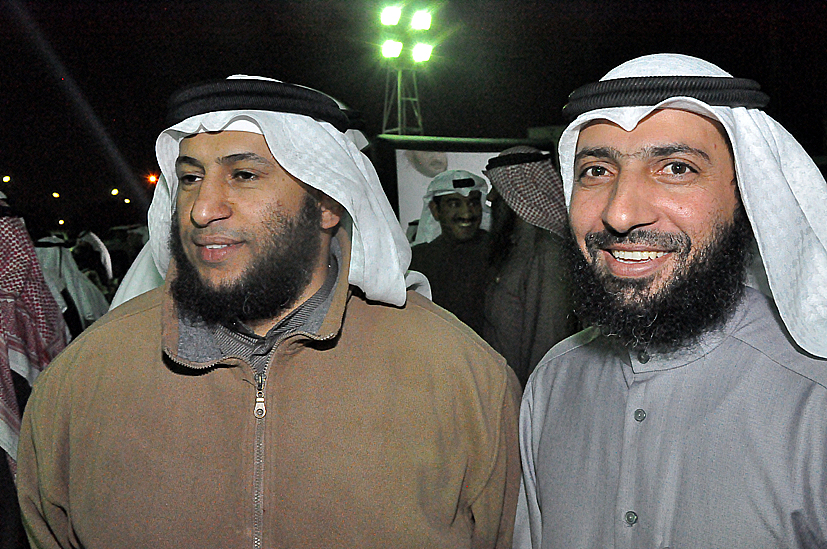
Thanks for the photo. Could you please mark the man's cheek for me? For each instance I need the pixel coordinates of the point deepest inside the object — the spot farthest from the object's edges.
(590, 253)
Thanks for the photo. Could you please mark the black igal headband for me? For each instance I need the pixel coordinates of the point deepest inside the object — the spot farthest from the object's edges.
(464, 183)
(259, 95)
(651, 90)
(517, 158)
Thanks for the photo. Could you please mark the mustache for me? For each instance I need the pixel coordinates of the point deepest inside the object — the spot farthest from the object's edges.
(669, 242)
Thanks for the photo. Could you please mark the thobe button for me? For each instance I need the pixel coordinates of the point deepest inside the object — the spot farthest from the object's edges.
(643, 357)
(630, 517)
(640, 415)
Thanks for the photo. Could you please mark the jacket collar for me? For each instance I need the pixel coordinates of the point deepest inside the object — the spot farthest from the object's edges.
(193, 346)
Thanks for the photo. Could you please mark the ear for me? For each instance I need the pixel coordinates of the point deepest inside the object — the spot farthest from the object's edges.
(332, 211)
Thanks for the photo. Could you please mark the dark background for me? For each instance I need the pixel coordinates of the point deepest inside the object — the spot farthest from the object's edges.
(85, 84)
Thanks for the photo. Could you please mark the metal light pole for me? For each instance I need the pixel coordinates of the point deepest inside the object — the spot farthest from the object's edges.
(402, 93)
(405, 53)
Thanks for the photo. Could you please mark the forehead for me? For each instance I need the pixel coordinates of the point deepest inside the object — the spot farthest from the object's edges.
(224, 143)
(473, 196)
(665, 126)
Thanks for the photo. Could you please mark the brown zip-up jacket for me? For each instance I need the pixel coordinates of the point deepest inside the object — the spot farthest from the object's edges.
(391, 427)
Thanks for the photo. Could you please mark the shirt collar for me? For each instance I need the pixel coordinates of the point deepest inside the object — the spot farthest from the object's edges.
(307, 317)
(643, 360)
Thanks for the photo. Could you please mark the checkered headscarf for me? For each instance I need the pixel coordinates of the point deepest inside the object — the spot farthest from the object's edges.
(32, 330)
(531, 186)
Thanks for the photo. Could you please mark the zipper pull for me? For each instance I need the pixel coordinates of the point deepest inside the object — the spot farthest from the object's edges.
(259, 409)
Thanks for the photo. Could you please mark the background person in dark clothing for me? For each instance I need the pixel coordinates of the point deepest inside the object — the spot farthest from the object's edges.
(528, 304)
(456, 261)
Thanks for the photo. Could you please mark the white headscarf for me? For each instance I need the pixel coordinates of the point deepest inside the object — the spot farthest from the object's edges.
(784, 193)
(317, 154)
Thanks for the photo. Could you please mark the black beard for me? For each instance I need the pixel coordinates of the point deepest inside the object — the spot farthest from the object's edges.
(268, 287)
(700, 297)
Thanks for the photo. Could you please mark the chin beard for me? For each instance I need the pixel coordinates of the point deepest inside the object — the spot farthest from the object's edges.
(270, 286)
(700, 296)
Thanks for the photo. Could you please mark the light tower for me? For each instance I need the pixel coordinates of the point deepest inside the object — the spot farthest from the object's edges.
(405, 49)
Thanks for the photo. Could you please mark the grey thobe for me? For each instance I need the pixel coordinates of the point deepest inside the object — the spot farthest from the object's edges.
(720, 445)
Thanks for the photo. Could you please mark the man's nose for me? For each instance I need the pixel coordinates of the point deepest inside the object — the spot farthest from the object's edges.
(466, 208)
(211, 202)
(629, 204)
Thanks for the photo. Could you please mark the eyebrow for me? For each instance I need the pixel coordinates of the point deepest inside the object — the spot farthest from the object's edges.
(227, 160)
(247, 156)
(660, 151)
(607, 153)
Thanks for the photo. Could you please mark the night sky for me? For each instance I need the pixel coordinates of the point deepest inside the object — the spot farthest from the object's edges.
(85, 84)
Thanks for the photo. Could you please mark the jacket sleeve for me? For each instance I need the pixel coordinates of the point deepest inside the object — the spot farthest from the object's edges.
(42, 477)
(494, 509)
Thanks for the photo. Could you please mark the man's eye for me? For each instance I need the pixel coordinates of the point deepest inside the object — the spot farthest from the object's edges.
(594, 171)
(244, 175)
(679, 168)
(188, 178)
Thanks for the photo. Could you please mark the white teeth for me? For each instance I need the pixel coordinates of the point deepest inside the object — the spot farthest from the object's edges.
(215, 246)
(623, 255)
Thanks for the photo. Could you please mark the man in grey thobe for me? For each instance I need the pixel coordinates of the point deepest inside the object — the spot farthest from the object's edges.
(693, 412)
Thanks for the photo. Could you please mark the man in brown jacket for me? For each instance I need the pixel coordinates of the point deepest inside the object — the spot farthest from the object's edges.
(281, 389)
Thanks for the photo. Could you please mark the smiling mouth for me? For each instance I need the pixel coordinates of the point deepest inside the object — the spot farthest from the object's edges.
(635, 256)
(466, 223)
(216, 252)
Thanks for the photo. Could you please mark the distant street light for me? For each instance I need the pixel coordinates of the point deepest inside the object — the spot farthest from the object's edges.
(55, 195)
(114, 192)
(6, 178)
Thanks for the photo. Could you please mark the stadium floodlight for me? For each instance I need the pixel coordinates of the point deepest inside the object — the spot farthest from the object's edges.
(404, 61)
(421, 20)
(422, 52)
(391, 48)
(391, 15)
